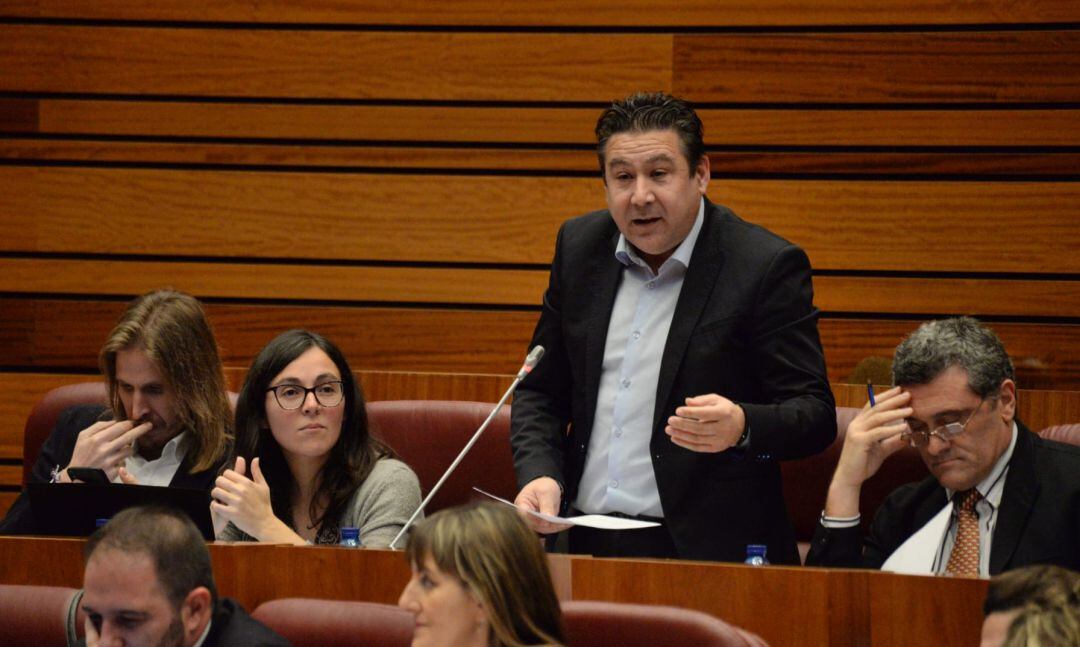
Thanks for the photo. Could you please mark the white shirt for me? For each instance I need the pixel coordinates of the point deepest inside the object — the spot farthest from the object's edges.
(618, 475)
(161, 470)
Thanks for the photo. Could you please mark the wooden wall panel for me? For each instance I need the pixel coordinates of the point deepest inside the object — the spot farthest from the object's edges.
(543, 160)
(1044, 355)
(857, 67)
(501, 287)
(553, 124)
(846, 225)
(544, 13)
(63, 334)
(332, 64)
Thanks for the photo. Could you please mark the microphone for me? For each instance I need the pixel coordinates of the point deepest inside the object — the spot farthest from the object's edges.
(530, 362)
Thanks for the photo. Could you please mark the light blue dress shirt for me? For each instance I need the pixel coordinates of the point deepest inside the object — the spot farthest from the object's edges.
(619, 474)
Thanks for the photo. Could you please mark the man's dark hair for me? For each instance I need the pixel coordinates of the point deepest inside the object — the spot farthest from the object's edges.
(1041, 586)
(169, 538)
(644, 111)
(962, 341)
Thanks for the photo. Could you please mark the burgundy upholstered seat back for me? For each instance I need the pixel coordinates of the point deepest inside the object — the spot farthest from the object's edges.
(42, 418)
(594, 624)
(337, 623)
(428, 434)
(34, 615)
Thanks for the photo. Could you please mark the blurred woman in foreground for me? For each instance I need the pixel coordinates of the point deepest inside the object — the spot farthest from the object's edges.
(480, 579)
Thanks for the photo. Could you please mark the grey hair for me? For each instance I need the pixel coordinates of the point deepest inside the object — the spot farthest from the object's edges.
(962, 341)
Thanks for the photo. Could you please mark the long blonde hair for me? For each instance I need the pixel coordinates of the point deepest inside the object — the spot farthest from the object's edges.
(496, 557)
(172, 329)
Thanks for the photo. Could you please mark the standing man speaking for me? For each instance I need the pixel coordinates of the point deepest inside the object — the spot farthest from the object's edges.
(683, 359)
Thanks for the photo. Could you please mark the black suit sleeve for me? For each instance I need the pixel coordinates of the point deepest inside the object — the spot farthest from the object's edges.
(542, 402)
(797, 416)
(56, 451)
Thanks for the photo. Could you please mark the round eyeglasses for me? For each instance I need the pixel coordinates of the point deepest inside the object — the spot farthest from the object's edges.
(292, 396)
(945, 433)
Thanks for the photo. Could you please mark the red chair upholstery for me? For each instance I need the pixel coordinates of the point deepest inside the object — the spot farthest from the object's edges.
(806, 481)
(428, 434)
(336, 623)
(1063, 433)
(638, 625)
(43, 416)
(35, 615)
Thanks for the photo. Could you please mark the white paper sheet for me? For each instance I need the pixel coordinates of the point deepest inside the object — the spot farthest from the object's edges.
(916, 555)
(600, 521)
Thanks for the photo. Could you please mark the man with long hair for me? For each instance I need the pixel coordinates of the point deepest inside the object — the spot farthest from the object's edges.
(168, 420)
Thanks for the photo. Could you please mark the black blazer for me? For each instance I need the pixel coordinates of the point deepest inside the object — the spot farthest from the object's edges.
(744, 326)
(57, 450)
(1038, 521)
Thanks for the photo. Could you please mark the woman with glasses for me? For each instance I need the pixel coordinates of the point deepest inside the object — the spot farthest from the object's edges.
(305, 464)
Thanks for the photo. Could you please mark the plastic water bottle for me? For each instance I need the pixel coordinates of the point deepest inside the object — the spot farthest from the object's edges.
(350, 537)
(755, 554)
(100, 522)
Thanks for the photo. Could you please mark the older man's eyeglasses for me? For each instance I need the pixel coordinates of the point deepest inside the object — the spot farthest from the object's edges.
(292, 396)
(945, 433)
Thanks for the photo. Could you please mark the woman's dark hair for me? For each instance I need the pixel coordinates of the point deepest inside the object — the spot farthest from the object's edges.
(351, 459)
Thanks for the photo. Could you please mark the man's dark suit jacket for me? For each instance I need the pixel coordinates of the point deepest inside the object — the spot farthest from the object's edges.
(744, 327)
(1038, 521)
(57, 450)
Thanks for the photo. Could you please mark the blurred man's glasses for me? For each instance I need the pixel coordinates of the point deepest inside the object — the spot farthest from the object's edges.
(292, 396)
(944, 433)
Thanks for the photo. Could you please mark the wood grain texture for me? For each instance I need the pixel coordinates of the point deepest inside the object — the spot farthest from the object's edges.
(561, 13)
(895, 605)
(18, 115)
(332, 64)
(364, 157)
(502, 287)
(552, 125)
(64, 334)
(858, 67)
(1044, 355)
(278, 281)
(843, 225)
(68, 333)
(735, 594)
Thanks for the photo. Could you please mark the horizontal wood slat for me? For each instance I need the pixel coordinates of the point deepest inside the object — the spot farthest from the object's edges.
(843, 225)
(982, 66)
(258, 281)
(548, 125)
(334, 64)
(559, 13)
(998, 297)
(724, 163)
(43, 333)
(11, 475)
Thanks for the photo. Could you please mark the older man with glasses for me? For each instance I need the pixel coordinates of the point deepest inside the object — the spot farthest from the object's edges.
(999, 496)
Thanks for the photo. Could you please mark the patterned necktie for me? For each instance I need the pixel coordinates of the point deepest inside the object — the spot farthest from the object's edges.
(964, 560)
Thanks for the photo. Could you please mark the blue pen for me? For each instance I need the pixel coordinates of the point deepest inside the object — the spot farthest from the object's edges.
(870, 392)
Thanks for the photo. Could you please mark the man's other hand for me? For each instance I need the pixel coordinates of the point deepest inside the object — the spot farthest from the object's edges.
(707, 423)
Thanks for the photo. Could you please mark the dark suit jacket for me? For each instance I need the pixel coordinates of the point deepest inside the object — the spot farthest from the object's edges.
(57, 451)
(1038, 521)
(744, 327)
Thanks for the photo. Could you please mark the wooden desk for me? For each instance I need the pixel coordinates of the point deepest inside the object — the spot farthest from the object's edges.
(785, 606)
